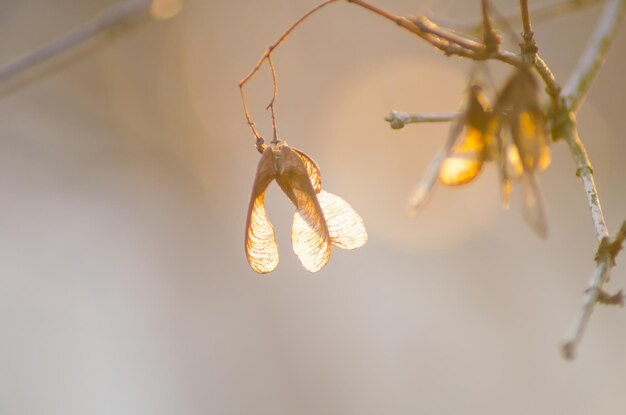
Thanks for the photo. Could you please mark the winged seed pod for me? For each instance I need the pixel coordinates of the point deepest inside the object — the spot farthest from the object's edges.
(458, 164)
(525, 147)
(321, 218)
(513, 134)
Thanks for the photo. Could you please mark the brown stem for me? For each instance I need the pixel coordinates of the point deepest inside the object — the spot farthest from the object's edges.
(271, 105)
(528, 46)
(528, 30)
(265, 57)
(490, 37)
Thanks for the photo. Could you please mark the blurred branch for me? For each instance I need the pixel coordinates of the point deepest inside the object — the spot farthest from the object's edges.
(397, 119)
(112, 17)
(539, 14)
(528, 46)
(593, 57)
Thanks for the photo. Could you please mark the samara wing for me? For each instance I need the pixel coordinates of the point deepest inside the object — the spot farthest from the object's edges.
(260, 243)
(309, 234)
(345, 226)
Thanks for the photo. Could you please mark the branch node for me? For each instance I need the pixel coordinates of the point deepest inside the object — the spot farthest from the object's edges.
(608, 250)
(611, 299)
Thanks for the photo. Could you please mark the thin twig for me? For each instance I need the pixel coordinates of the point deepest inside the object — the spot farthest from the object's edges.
(602, 272)
(552, 86)
(490, 37)
(272, 105)
(593, 57)
(487, 21)
(445, 40)
(264, 57)
(605, 260)
(112, 17)
(527, 34)
(528, 47)
(398, 120)
(539, 14)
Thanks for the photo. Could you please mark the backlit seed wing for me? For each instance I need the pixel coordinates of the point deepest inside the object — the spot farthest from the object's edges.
(421, 192)
(533, 205)
(309, 233)
(345, 226)
(465, 160)
(505, 191)
(532, 141)
(511, 160)
(260, 243)
(505, 183)
(312, 170)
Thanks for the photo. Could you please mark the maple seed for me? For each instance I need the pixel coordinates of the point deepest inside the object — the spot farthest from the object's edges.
(526, 147)
(321, 218)
(458, 164)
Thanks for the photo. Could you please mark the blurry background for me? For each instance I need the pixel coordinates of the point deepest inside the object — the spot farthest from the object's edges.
(125, 172)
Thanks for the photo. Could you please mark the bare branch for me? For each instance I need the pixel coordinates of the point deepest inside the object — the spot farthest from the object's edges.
(112, 17)
(528, 30)
(569, 347)
(552, 86)
(398, 120)
(490, 36)
(593, 57)
(605, 259)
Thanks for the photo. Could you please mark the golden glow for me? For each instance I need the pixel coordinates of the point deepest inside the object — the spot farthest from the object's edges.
(513, 167)
(465, 161)
(375, 168)
(544, 157)
(528, 128)
(533, 144)
(165, 9)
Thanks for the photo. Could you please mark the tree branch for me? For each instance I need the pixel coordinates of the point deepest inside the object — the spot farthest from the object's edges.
(593, 57)
(605, 259)
(528, 46)
(398, 120)
(108, 19)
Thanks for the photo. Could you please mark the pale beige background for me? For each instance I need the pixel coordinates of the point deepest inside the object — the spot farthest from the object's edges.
(125, 171)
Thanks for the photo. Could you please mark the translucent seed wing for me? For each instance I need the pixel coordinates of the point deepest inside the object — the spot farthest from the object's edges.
(512, 161)
(260, 243)
(312, 249)
(422, 190)
(533, 205)
(309, 233)
(312, 170)
(505, 191)
(532, 141)
(465, 160)
(345, 226)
